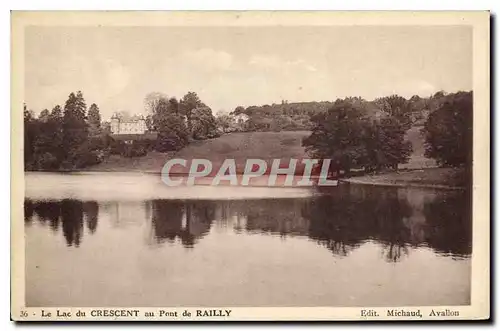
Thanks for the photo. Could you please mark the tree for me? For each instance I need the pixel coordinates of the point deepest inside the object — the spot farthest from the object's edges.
(188, 103)
(171, 128)
(44, 115)
(386, 145)
(448, 131)
(75, 129)
(349, 136)
(203, 124)
(174, 106)
(225, 122)
(338, 135)
(47, 144)
(239, 110)
(94, 120)
(151, 101)
(55, 126)
(397, 107)
(30, 133)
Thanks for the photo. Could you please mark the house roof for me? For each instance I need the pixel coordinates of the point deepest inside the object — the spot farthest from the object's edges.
(124, 118)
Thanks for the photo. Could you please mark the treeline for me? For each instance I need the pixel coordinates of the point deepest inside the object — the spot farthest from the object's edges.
(297, 116)
(178, 122)
(63, 138)
(355, 136)
(73, 137)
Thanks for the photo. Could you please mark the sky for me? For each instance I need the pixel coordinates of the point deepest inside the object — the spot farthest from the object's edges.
(116, 67)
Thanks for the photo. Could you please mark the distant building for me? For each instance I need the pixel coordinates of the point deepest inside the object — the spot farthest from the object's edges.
(241, 118)
(128, 125)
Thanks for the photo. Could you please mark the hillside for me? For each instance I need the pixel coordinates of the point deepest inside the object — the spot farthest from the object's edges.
(417, 159)
(239, 146)
(242, 146)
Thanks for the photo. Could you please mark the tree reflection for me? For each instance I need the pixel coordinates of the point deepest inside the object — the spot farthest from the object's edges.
(449, 227)
(91, 211)
(28, 211)
(341, 219)
(72, 221)
(188, 221)
(70, 213)
(348, 216)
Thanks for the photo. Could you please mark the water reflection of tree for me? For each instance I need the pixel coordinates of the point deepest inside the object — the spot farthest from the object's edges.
(70, 213)
(28, 211)
(185, 220)
(48, 212)
(449, 223)
(91, 211)
(276, 216)
(349, 216)
(72, 221)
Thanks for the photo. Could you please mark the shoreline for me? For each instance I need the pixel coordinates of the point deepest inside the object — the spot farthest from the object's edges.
(391, 179)
(402, 185)
(427, 178)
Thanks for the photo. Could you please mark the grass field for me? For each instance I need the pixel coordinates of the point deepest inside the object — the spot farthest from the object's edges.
(239, 146)
(417, 159)
(245, 145)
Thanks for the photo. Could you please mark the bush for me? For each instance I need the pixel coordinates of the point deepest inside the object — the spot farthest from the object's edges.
(134, 150)
(116, 147)
(47, 161)
(169, 143)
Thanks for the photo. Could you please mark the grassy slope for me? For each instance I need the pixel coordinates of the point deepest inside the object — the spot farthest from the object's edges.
(280, 145)
(247, 145)
(417, 159)
(240, 146)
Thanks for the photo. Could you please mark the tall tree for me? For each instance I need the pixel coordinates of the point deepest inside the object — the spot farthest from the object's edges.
(94, 120)
(151, 101)
(352, 138)
(55, 124)
(171, 128)
(188, 103)
(448, 131)
(75, 129)
(338, 135)
(30, 133)
(203, 123)
(386, 145)
(44, 115)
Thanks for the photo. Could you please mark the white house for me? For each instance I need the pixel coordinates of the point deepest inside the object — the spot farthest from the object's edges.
(241, 118)
(128, 125)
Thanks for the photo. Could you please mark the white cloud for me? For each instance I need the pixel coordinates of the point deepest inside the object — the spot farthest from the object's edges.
(265, 61)
(207, 58)
(272, 61)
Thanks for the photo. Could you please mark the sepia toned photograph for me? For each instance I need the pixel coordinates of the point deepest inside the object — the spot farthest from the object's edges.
(201, 164)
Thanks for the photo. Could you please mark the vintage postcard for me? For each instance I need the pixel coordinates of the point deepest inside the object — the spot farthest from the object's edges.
(250, 166)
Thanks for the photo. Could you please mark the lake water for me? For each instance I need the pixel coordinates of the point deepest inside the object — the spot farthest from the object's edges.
(111, 239)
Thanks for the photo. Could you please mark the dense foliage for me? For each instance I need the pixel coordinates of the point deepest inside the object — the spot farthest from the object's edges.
(63, 139)
(297, 116)
(353, 137)
(355, 133)
(448, 131)
(178, 122)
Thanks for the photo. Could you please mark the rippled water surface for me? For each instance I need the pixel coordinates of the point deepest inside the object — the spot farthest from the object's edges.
(128, 240)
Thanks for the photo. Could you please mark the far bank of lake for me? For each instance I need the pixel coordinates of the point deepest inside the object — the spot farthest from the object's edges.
(436, 178)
